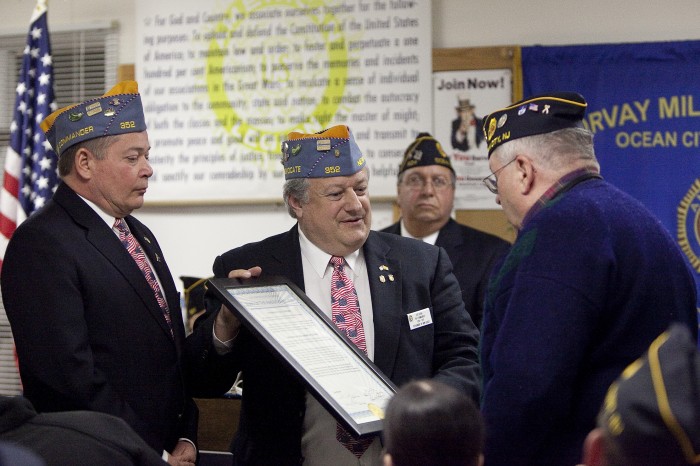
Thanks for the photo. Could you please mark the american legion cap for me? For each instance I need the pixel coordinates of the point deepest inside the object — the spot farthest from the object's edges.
(119, 111)
(331, 152)
(536, 115)
(652, 411)
(425, 150)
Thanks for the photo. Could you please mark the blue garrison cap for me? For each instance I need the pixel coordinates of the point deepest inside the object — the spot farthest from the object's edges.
(331, 152)
(535, 115)
(119, 111)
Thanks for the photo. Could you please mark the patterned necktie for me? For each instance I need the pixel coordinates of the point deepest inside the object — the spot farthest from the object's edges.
(347, 317)
(134, 248)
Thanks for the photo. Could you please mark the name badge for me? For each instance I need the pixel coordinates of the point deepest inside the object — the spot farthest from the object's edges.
(419, 318)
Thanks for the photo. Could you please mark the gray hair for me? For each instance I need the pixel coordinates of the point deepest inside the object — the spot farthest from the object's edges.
(558, 150)
(297, 188)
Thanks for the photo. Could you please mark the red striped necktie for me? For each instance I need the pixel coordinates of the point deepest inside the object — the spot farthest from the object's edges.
(134, 248)
(347, 317)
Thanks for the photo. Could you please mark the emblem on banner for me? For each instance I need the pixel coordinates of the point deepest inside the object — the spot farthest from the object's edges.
(689, 225)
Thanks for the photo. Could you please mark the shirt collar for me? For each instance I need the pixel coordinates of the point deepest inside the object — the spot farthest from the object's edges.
(319, 259)
(430, 239)
(108, 219)
(563, 184)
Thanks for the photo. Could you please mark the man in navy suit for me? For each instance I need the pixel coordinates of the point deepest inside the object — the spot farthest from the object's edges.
(426, 194)
(396, 279)
(89, 329)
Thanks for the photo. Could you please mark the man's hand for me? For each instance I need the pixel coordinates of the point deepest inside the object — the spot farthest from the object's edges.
(184, 454)
(227, 325)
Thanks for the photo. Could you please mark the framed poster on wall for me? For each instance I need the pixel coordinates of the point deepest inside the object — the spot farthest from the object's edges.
(469, 83)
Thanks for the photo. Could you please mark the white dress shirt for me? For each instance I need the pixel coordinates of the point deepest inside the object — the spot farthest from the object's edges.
(319, 445)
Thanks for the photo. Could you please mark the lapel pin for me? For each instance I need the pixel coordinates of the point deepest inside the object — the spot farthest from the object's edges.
(382, 279)
(147, 240)
(391, 277)
(383, 267)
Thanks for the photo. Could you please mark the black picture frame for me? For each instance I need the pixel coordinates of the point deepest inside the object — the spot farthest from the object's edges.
(265, 319)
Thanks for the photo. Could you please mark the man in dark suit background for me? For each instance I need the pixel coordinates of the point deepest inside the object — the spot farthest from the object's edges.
(326, 190)
(91, 331)
(426, 193)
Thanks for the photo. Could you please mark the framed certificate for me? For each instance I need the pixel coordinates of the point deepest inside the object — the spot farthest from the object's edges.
(333, 369)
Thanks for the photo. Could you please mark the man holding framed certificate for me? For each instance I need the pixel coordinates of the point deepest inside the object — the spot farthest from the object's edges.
(395, 298)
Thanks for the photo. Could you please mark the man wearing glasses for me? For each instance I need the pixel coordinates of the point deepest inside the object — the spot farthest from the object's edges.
(591, 280)
(426, 193)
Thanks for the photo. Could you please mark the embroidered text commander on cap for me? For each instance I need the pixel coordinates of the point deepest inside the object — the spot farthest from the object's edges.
(119, 111)
(425, 150)
(652, 411)
(332, 152)
(535, 115)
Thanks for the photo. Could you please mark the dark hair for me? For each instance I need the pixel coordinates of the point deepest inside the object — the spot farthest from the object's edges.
(429, 423)
(98, 146)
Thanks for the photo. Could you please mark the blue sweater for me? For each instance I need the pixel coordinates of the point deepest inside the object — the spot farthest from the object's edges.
(592, 279)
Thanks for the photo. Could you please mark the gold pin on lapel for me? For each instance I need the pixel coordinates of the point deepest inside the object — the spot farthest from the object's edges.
(147, 240)
(391, 277)
(382, 279)
(383, 267)
(157, 258)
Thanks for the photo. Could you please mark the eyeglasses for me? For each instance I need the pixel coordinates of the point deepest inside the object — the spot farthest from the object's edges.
(416, 182)
(491, 181)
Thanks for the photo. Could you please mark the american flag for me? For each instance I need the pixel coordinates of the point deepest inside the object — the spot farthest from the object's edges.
(31, 174)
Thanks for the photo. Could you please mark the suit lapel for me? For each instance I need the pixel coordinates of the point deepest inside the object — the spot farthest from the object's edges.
(450, 238)
(385, 276)
(107, 243)
(150, 248)
(287, 256)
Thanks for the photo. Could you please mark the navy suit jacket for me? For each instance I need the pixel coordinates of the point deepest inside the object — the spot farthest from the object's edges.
(473, 254)
(88, 330)
(273, 403)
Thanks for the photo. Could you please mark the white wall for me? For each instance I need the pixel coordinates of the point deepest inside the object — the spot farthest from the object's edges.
(192, 236)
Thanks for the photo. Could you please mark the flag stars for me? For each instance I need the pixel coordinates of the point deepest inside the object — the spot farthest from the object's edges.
(34, 100)
(45, 163)
(44, 79)
(39, 202)
(42, 183)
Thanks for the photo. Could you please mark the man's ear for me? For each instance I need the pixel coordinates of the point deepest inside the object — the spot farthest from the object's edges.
(84, 163)
(526, 173)
(594, 448)
(295, 205)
